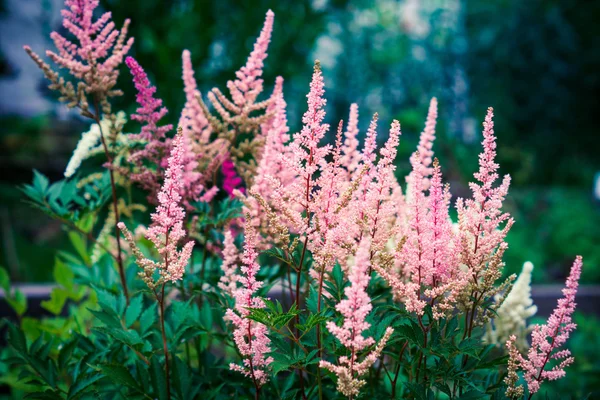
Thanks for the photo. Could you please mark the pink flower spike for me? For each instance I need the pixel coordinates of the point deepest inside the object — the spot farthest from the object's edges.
(248, 85)
(166, 230)
(547, 339)
(355, 308)
(231, 180)
(350, 153)
(151, 109)
(192, 120)
(250, 337)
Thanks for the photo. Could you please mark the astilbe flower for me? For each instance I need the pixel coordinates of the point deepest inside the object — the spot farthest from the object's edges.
(480, 231)
(250, 336)
(305, 153)
(93, 60)
(156, 145)
(248, 85)
(192, 120)
(355, 309)
(229, 279)
(350, 153)
(231, 180)
(166, 230)
(511, 316)
(546, 340)
(89, 143)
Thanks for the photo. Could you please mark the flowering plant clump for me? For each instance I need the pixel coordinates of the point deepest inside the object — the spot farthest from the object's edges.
(276, 265)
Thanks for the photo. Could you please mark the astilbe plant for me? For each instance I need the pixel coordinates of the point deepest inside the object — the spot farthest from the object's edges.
(351, 283)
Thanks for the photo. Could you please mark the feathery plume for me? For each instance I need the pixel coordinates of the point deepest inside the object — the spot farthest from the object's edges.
(248, 85)
(229, 279)
(250, 336)
(511, 316)
(350, 154)
(166, 230)
(355, 308)
(547, 339)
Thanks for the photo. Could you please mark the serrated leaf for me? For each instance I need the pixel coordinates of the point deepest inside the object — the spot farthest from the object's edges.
(66, 351)
(133, 310)
(82, 383)
(18, 302)
(58, 297)
(119, 374)
(148, 318)
(158, 379)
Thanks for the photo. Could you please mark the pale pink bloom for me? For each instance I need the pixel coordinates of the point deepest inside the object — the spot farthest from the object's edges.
(229, 279)
(90, 61)
(350, 153)
(480, 218)
(547, 339)
(192, 120)
(248, 85)
(305, 153)
(424, 148)
(167, 230)
(250, 337)
(354, 309)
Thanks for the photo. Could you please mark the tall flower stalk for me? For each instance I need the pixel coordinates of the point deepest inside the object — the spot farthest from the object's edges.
(165, 233)
(93, 62)
(546, 341)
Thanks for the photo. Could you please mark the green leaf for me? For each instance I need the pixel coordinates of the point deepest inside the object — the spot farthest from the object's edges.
(58, 297)
(18, 302)
(63, 275)
(79, 245)
(158, 379)
(82, 383)
(120, 375)
(4, 281)
(133, 310)
(66, 351)
(130, 338)
(148, 318)
(16, 338)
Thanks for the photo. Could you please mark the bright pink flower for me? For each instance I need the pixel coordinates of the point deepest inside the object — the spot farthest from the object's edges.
(547, 339)
(250, 337)
(231, 180)
(151, 109)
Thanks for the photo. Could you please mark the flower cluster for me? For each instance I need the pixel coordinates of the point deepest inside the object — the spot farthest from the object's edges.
(546, 340)
(166, 230)
(93, 60)
(354, 309)
(511, 316)
(250, 337)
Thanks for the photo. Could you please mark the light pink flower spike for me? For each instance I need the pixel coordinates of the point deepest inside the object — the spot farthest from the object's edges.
(250, 337)
(350, 154)
(355, 308)
(95, 42)
(192, 120)
(166, 230)
(248, 84)
(547, 339)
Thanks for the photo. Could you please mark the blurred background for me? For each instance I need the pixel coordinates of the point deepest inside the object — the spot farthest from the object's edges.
(537, 62)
